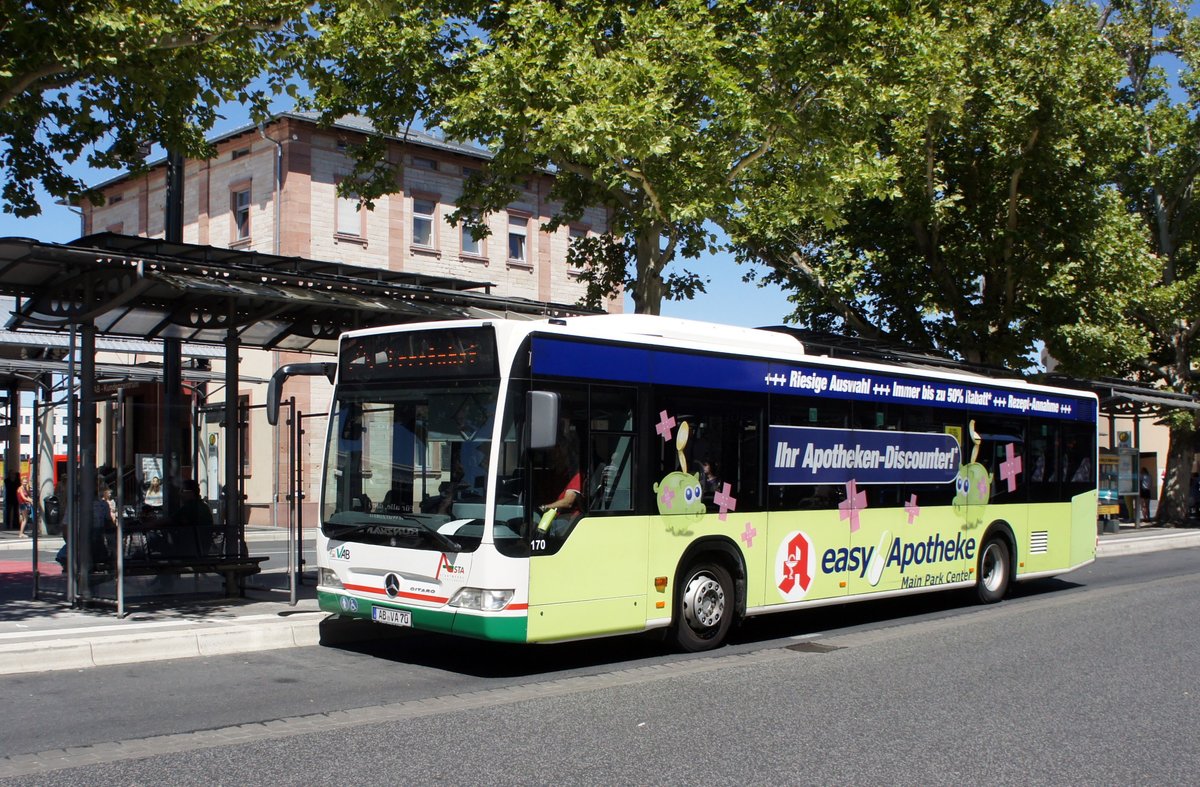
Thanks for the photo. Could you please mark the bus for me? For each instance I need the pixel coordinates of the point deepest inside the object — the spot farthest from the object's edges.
(560, 479)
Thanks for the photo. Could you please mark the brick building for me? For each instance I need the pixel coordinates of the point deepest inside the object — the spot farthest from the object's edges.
(273, 189)
(239, 199)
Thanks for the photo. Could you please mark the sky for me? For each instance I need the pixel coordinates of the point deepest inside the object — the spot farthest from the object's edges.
(728, 300)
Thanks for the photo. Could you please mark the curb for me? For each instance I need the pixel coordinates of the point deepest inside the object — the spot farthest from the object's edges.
(1156, 542)
(59, 651)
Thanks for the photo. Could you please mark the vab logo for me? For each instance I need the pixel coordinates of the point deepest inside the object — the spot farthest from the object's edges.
(340, 553)
(795, 565)
(391, 584)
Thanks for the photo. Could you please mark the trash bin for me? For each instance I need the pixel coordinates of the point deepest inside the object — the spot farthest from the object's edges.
(52, 514)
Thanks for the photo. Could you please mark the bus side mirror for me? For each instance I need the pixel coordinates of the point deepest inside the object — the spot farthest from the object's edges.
(275, 387)
(542, 408)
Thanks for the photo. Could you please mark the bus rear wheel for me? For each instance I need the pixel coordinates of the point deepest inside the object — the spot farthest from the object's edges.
(995, 568)
(705, 607)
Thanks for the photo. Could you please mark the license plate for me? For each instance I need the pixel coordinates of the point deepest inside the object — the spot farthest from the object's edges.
(393, 617)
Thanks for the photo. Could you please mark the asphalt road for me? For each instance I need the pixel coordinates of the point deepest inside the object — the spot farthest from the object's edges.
(1085, 679)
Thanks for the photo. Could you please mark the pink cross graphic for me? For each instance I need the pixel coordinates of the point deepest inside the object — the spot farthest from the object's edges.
(1010, 467)
(912, 509)
(748, 535)
(665, 425)
(726, 502)
(855, 501)
(668, 495)
(982, 486)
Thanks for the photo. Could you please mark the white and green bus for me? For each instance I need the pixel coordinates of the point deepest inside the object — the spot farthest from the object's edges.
(544, 481)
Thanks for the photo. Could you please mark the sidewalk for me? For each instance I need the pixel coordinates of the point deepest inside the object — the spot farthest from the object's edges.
(46, 634)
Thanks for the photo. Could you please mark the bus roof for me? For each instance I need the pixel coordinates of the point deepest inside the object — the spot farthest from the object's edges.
(768, 343)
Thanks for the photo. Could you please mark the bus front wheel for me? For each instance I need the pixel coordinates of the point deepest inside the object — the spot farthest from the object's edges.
(705, 607)
(995, 567)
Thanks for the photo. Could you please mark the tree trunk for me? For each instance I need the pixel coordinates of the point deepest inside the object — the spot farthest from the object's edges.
(649, 288)
(1174, 504)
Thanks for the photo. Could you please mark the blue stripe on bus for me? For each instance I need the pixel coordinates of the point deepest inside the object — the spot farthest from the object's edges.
(616, 363)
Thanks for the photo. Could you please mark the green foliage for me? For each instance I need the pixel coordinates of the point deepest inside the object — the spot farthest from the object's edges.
(657, 112)
(996, 226)
(97, 80)
(1159, 177)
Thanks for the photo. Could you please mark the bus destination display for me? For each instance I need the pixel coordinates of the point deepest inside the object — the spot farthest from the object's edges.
(464, 352)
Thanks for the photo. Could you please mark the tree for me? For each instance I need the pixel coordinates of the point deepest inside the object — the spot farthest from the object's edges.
(1001, 226)
(656, 111)
(1159, 183)
(99, 80)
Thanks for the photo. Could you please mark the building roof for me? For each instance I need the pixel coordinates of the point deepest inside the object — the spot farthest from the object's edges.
(354, 123)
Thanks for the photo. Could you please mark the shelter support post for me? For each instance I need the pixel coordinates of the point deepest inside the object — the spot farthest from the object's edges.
(234, 526)
(172, 418)
(87, 456)
(12, 455)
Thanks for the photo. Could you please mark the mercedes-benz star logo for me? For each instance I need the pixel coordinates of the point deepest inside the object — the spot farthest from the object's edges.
(391, 583)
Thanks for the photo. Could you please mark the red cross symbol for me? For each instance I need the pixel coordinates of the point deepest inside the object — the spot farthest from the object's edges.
(855, 501)
(748, 535)
(665, 425)
(795, 565)
(912, 509)
(1010, 467)
(668, 495)
(726, 502)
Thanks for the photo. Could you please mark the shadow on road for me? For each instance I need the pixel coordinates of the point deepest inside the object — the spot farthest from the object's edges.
(498, 660)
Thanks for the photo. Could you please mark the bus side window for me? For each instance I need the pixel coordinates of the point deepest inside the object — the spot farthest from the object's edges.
(1044, 473)
(720, 455)
(1078, 459)
(1006, 460)
(613, 440)
(811, 412)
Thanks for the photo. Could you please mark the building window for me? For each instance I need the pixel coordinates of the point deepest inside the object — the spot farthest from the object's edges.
(350, 215)
(518, 237)
(240, 153)
(420, 162)
(422, 229)
(239, 202)
(470, 246)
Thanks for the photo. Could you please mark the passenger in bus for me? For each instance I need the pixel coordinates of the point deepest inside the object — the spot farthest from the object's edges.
(710, 482)
(442, 503)
(565, 476)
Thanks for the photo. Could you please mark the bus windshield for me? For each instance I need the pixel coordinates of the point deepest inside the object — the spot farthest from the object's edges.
(407, 464)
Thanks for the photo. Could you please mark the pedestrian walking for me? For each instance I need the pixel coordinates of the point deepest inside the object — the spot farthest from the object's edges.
(25, 502)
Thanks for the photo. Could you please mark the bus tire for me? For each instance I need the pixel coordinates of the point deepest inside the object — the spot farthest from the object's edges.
(994, 570)
(705, 607)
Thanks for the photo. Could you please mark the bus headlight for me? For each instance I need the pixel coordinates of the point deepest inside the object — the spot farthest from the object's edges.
(328, 578)
(482, 599)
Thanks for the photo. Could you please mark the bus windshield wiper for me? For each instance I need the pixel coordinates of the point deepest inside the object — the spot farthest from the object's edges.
(335, 530)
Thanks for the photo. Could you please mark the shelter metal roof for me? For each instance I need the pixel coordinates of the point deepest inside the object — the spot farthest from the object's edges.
(1126, 399)
(147, 288)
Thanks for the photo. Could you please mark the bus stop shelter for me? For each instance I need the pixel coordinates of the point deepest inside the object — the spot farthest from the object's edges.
(170, 293)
